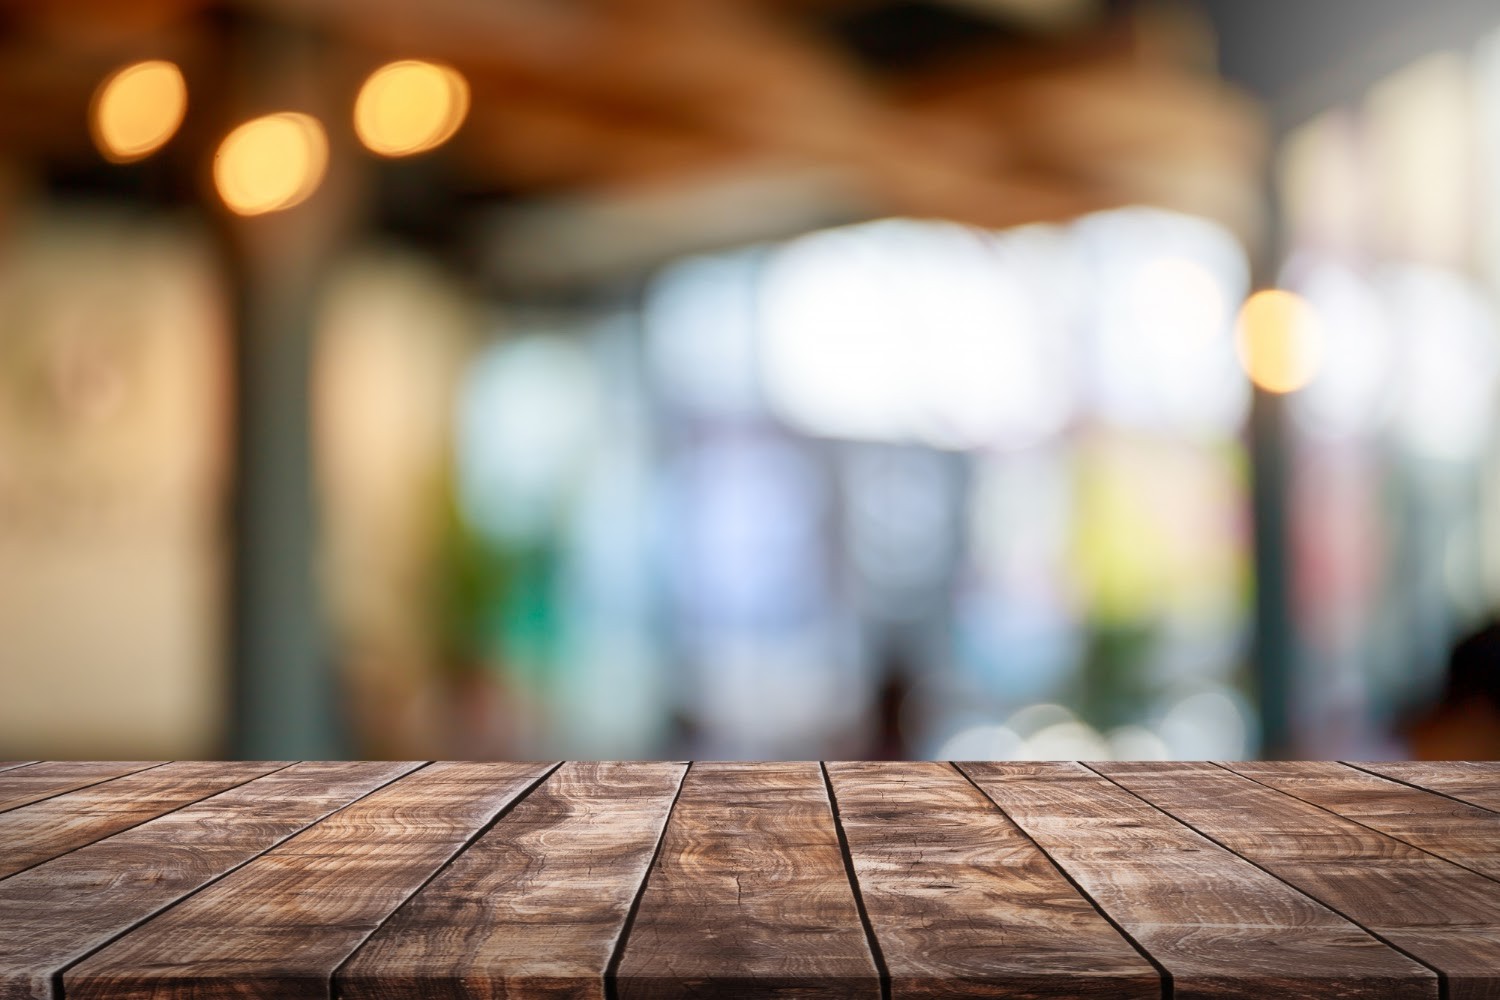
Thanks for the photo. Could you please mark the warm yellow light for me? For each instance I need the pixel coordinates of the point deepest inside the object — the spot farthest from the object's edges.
(137, 109)
(1279, 340)
(410, 107)
(271, 163)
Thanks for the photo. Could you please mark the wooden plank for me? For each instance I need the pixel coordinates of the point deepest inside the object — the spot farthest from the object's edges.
(1218, 924)
(963, 904)
(536, 906)
(10, 765)
(60, 911)
(283, 923)
(1476, 782)
(46, 829)
(45, 779)
(749, 896)
(1444, 916)
(1449, 828)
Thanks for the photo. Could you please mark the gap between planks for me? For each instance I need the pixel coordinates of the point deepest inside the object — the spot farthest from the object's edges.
(617, 953)
(871, 940)
(489, 825)
(104, 833)
(1358, 822)
(1167, 985)
(30, 770)
(59, 974)
(1421, 788)
(1442, 978)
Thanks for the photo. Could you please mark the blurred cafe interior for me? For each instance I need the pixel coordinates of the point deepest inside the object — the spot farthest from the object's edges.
(900, 379)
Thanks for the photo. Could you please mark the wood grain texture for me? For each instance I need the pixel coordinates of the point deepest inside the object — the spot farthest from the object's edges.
(1475, 782)
(43, 830)
(283, 923)
(373, 881)
(750, 896)
(963, 904)
(1465, 834)
(10, 765)
(1220, 926)
(58, 912)
(536, 906)
(1441, 914)
(25, 785)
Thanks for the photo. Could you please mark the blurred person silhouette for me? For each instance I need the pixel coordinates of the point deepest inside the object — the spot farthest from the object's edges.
(1465, 722)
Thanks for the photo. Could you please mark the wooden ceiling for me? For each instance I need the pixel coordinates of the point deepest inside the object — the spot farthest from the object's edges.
(991, 112)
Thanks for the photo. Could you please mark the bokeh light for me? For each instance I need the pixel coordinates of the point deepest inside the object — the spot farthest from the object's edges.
(1210, 724)
(909, 331)
(409, 107)
(699, 326)
(1354, 390)
(1449, 360)
(137, 109)
(983, 742)
(1162, 355)
(271, 163)
(1279, 340)
(527, 418)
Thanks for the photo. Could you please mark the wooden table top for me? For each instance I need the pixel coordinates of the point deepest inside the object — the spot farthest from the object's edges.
(386, 880)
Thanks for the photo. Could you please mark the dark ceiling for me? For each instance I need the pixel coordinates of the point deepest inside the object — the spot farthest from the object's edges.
(1302, 56)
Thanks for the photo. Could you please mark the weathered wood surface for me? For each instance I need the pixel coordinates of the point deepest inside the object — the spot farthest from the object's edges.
(373, 881)
(963, 904)
(56, 913)
(750, 895)
(1474, 782)
(25, 785)
(1449, 828)
(1218, 924)
(283, 923)
(1452, 924)
(537, 906)
(43, 830)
